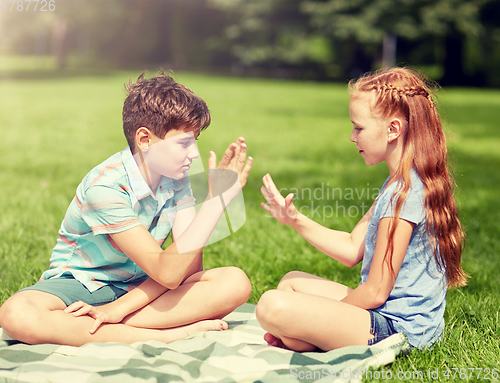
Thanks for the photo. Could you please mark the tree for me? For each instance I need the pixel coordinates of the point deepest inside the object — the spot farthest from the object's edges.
(123, 33)
(273, 37)
(343, 38)
(448, 24)
(313, 39)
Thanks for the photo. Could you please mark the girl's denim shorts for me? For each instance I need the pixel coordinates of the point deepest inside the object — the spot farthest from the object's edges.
(71, 290)
(381, 327)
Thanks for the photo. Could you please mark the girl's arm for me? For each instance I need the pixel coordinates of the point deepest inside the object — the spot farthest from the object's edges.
(375, 291)
(347, 248)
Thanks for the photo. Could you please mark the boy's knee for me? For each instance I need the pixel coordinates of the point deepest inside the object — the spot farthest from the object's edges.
(238, 284)
(18, 319)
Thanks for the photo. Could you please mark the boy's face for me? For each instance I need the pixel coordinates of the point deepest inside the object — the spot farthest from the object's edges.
(172, 155)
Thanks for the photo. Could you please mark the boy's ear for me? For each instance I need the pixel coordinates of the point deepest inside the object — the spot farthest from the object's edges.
(395, 129)
(143, 137)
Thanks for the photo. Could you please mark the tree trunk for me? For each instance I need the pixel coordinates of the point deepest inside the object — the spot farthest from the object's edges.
(389, 51)
(453, 62)
(58, 43)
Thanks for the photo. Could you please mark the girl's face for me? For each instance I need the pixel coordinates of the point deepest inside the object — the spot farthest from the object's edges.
(370, 133)
(172, 156)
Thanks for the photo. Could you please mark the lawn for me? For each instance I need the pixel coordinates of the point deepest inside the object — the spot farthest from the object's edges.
(55, 130)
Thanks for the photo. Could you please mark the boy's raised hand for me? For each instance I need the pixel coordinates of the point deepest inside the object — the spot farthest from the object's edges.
(101, 314)
(280, 208)
(234, 164)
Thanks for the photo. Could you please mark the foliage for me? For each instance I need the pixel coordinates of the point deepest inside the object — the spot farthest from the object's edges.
(455, 40)
(368, 21)
(122, 33)
(352, 34)
(272, 33)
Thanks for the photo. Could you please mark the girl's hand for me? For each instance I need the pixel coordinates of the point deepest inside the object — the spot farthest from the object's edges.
(101, 314)
(234, 166)
(280, 208)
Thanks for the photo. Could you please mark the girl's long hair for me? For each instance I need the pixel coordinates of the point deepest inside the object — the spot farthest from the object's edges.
(404, 93)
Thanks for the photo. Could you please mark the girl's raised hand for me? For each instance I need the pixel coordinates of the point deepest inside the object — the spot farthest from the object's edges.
(280, 208)
(101, 314)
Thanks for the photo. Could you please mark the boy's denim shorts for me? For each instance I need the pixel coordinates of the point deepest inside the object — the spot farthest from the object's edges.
(71, 290)
(381, 327)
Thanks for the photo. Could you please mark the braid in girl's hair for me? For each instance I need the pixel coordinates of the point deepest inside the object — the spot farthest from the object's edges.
(402, 92)
(410, 91)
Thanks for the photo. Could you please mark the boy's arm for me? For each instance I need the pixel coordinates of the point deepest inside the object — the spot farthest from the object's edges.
(168, 268)
(171, 266)
(115, 311)
(143, 294)
(183, 219)
(347, 248)
(143, 249)
(149, 290)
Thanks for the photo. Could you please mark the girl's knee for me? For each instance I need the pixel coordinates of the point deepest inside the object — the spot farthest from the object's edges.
(287, 280)
(272, 307)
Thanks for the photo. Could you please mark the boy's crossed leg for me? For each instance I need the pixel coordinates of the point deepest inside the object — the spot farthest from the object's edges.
(208, 294)
(36, 317)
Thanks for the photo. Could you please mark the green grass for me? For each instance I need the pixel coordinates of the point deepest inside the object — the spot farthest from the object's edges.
(54, 131)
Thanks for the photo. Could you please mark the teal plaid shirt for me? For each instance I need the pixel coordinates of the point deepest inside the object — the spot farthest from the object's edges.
(114, 197)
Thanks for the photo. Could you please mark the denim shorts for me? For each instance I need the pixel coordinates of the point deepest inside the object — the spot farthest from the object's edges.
(381, 327)
(71, 290)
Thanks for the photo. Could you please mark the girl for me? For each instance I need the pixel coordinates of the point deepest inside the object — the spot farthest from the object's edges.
(410, 241)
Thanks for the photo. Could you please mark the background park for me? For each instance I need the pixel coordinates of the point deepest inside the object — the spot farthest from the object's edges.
(275, 72)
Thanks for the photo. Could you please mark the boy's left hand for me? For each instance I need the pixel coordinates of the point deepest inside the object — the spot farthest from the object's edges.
(101, 314)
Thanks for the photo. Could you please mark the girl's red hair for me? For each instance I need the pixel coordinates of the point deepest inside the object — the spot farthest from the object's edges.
(404, 93)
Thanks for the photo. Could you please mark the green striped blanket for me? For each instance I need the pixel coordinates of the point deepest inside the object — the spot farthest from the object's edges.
(238, 354)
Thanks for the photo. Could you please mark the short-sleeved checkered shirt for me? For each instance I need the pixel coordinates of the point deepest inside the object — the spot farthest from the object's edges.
(114, 197)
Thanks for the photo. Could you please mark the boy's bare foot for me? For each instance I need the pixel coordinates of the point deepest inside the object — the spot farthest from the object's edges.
(205, 325)
(182, 332)
(274, 341)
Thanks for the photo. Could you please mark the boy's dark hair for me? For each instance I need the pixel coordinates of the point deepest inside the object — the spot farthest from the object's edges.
(161, 104)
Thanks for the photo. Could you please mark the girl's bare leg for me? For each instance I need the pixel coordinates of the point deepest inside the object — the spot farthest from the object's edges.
(298, 281)
(301, 282)
(305, 321)
(293, 344)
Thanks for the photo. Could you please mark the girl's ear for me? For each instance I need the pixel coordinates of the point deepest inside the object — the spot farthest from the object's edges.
(395, 129)
(143, 138)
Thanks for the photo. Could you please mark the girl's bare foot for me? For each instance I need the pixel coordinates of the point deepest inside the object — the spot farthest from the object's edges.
(183, 332)
(274, 341)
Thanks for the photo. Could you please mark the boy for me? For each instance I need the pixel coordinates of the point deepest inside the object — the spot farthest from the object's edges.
(109, 249)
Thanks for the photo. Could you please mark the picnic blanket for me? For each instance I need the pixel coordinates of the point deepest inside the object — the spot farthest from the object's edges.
(238, 354)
